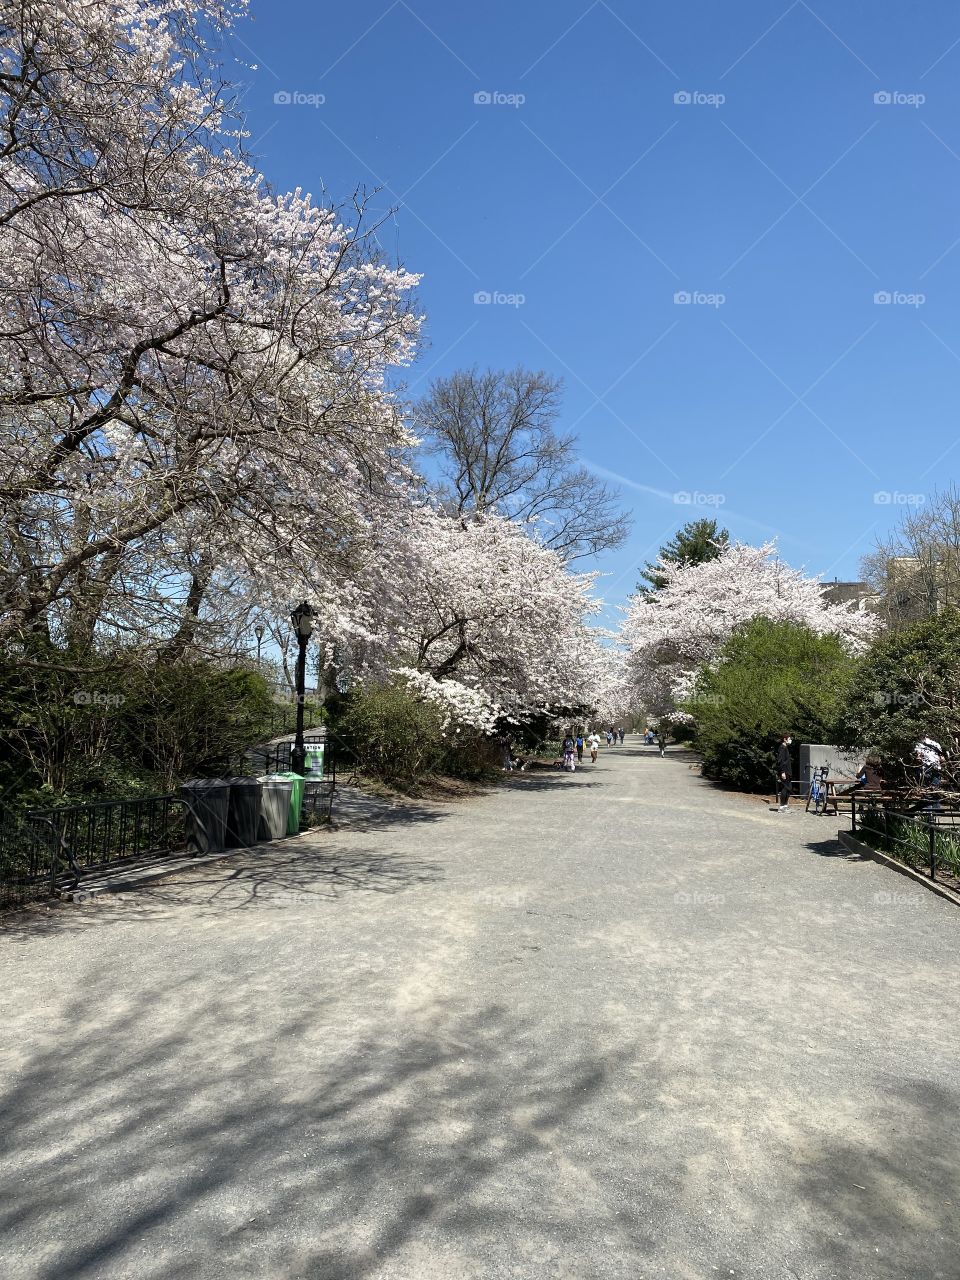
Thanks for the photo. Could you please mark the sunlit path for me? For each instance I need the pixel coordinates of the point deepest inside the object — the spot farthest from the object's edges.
(610, 1025)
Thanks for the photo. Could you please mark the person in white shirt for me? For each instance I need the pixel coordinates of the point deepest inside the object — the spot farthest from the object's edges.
(930, 754)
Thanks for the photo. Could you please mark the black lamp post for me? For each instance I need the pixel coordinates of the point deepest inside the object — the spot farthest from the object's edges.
(302, 619)
(258, 632)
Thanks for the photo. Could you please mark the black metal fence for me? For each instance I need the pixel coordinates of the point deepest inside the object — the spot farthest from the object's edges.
(45, 849)
(28, 859)
(110, 831)
(926, 838)
(275, 757)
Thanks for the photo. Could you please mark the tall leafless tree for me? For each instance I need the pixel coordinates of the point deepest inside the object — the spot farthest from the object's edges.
(495, 434)
(915, 568)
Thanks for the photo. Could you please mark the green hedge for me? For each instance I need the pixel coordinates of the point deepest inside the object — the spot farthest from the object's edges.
(907, 687)
(387, 731)
(92, 725)
(770, 678)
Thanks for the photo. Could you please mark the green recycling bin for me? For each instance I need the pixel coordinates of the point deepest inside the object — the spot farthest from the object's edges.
(296, 800)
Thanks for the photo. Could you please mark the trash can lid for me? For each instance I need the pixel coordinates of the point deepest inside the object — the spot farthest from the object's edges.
(289, 776)
(205, 784)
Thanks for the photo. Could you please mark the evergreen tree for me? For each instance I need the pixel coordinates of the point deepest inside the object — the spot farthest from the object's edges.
(696, 543)
(907, 687)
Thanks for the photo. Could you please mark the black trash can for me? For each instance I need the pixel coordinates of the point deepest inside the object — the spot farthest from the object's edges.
(243, 817)
(274, 807)
(208, 802)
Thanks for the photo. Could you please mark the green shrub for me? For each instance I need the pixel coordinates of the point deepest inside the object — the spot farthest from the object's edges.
(387, 731)
(907, 686)
(192, 718)
(769, 678)
(80, 726)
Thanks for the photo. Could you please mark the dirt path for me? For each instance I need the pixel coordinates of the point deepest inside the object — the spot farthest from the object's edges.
(610, 1025)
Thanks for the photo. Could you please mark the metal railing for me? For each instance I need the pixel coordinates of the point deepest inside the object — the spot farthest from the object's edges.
(109, 831)
(44, 850)
(318, 800)
(927, 838)
(274, 757)
(47, 849)
(29, 857)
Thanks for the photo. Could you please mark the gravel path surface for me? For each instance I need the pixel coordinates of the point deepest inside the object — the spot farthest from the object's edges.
(615, 1024)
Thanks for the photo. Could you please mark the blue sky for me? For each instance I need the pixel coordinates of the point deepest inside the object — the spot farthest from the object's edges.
(786, 167)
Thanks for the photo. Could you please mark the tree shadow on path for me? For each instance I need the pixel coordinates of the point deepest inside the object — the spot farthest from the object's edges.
(216, 1142)
(319, 871)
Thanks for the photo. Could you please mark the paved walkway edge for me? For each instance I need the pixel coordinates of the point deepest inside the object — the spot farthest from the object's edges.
(853, 845)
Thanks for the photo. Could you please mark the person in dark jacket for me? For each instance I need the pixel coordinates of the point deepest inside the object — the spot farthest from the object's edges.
(784, 772)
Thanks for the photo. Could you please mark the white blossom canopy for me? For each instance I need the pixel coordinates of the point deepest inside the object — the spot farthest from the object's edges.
(668, 633)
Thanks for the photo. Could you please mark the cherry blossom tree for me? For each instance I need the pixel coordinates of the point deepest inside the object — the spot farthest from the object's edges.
(669, 633)
(194, 391)
(485, 619)
(192, 369)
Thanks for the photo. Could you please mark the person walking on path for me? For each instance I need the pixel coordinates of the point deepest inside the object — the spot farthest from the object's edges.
(661, 743)
(620, 735)
(609, 737)
(784, 772)
(594, 741)
(579, 746)
(569, 747)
